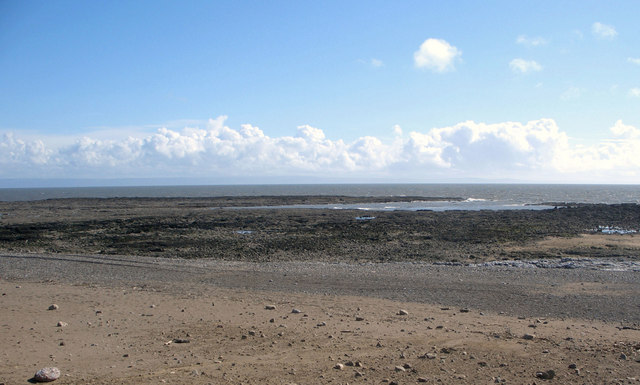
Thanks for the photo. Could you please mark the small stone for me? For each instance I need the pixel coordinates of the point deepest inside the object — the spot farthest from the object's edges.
(423, 379)
(572, 366)
(358, 318)
(623, 356)
(430, 356)
(358, 374)
(181, 341)
(402, 312)
(62, 324)
(47, 374)
(528, 337)
(322, 324)
(295, 311)
(270, 307)
(464, 310)
(407, 366)
(339, 366)
(548, 375)
(399, 369)
(53, 307)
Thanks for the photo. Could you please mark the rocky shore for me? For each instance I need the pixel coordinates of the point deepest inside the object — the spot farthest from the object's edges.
(215, 228)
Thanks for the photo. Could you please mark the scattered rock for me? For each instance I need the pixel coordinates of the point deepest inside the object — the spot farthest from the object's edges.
(339, 366)
(399, 369)
(270, 307)
(623, 356)
(407, 366)
(295, 311)
(53, 307)
(423, 379)
(358, 318)
(62, 324)
(464, 310)
(322, 324)
(358, 374)
(548, 375)
(181, 341)
(430, 356)
(528, 337)
(572, 366)
(402, 312)
(47, 374)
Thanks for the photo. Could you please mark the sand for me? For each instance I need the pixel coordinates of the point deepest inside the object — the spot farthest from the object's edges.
(130, 335)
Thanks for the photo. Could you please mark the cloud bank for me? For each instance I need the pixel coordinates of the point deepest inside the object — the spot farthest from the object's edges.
(533, 151)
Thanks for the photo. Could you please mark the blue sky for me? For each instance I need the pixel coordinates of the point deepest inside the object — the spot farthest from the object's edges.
(545, 91)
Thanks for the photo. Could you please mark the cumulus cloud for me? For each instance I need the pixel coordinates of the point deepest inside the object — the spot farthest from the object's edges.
(603, 31)
(535, 150)
(634, 60)
(523, 66)
(530, 41)
(437, 55)
(634, 92)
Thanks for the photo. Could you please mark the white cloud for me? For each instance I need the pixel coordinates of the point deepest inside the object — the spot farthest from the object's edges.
(603, 31)
(634, 60)
(634, 92)
(377, 63)
(534, 150)
(437, 55)
(523, 66)
(572, 93)
(531, 41)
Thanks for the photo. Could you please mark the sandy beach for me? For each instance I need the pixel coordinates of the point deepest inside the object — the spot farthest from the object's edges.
(136, 318)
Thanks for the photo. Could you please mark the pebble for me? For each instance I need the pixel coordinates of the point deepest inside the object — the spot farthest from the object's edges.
(62, 324)
(402, 312)
(548, 375)
(423, 379)
(400, 369)
(53, 307)
(47, 374)
(270, 307)
(528, 337)
(296, 311)
(358, 318)
(339, 366)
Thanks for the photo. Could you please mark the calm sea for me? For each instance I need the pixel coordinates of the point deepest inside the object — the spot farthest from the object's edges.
(506, 194)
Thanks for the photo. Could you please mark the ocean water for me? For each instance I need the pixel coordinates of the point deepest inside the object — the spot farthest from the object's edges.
(472, 196)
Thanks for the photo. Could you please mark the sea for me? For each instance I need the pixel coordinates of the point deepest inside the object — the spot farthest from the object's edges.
(463, 196)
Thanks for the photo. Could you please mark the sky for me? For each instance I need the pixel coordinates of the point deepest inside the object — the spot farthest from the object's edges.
(331, 91)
